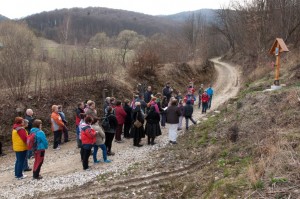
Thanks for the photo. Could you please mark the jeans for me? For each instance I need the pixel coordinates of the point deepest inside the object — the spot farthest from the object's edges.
(104, 152)
(187, 121)
(204, 107)
(209, 102)
(77, 137)
(20, 159)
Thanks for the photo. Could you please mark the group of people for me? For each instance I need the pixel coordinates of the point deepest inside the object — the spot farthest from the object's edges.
(144, 115)
(23, 128)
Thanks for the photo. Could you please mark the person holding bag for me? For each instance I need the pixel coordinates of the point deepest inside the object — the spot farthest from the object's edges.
(137, 131)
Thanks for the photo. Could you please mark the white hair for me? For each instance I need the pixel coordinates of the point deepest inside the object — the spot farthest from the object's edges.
(29, 112)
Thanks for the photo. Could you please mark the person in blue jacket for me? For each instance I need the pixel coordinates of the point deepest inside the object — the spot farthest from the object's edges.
(210, 93)
(41, 144)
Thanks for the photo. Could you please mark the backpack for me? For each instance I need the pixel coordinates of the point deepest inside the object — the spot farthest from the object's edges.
(105, 124)
(30, 141)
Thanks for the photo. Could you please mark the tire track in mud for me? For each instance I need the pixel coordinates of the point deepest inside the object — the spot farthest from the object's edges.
(108, 190)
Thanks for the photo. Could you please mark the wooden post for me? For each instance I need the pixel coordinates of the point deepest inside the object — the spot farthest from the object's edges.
(276, 82)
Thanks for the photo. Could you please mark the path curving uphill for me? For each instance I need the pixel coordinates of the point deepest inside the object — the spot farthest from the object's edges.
(62, 170)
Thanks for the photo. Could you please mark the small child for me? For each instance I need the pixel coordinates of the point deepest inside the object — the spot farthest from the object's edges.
(188, 113)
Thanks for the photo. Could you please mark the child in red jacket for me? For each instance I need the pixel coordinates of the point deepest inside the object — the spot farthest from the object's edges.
(204, 99)
(88, 139)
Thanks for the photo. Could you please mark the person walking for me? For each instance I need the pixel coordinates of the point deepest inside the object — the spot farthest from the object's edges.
(173, 114)
(88, 138)
(120, 115)
(41, 144)
(100, 137)
(110, 133)
(188, 114)
(210, 93)
(57, 126)
(19, 138)
(152, 128)
(137, 131)
(200, 92)
(128, 118)
(204, 99)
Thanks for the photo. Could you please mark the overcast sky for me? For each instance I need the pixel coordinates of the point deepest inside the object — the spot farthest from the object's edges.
(14, 9)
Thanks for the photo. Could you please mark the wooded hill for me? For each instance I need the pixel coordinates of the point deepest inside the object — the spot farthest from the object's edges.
(79, 25)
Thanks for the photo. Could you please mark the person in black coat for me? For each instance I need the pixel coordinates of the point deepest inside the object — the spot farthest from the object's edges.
(137, 133)
(188, 113)
(152, 128)
(128, 118)
(110, 134)
(167, 91)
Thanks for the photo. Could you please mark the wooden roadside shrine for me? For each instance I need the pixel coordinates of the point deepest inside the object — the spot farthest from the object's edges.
(278, 48)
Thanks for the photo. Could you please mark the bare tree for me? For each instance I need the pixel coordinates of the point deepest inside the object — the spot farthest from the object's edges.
(16, 57)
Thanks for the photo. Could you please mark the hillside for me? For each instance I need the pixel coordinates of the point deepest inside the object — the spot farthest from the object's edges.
(3, 17)
(82, 24)
(208, 14)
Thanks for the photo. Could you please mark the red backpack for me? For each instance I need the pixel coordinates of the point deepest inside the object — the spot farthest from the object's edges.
(30, 141)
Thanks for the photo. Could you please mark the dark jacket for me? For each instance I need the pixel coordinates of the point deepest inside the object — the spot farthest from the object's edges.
(147, 96)
(167, 92)
(173, 114)
(152, 117)
(128, 111)
(30, 121)
(113, 123)
(188, 109)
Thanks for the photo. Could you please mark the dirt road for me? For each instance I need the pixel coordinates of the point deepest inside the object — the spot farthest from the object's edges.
(63, 169)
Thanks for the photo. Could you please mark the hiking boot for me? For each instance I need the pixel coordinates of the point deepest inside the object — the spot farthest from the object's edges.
(107, 161)
(38, 178)
(28, 169)
(110, 153)
(96, 162)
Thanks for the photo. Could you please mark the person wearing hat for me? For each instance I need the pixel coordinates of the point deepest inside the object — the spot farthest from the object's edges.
(19, 138)
(200, 92)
